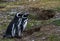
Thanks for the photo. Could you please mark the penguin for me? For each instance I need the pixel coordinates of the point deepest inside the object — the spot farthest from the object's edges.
(17, 25)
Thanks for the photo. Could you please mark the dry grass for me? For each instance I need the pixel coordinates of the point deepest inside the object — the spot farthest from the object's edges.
(46, 4)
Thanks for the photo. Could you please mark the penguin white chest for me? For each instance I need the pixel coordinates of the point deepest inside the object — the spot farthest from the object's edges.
(25, 24)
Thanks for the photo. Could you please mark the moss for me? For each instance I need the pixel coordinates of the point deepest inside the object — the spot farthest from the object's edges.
(53, 37)
(6, 39)
(56, 22)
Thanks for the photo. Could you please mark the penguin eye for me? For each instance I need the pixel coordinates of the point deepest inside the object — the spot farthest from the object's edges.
(25, 15)
(20, 15)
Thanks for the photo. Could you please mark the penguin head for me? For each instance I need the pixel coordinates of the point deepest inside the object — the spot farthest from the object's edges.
(19, 15)
(22, 14)
(26, 14)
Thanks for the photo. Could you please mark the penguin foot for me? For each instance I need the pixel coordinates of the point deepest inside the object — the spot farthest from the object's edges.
(7, 36)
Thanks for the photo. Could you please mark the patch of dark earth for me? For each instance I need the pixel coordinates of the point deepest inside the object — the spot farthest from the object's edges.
(37, 33)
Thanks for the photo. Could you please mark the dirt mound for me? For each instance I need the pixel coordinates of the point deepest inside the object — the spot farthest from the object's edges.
(42, 14)
(1, 7)
(41, 33)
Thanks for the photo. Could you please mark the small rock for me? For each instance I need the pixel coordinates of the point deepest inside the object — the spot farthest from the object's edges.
(44, 38)
(32, 40)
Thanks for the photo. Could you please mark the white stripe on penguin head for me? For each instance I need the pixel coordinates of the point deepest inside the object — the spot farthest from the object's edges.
(18, 13)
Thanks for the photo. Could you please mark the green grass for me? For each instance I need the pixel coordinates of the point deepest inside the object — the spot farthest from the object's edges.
(57, 9)
(54, 37)
(57, 22)
(3, 3)
(34, 22)
(5, 39)
(3, 26)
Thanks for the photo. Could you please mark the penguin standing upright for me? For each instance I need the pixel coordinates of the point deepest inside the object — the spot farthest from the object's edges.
(17, 25)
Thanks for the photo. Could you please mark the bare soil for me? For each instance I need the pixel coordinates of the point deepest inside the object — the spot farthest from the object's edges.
(41, 33)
